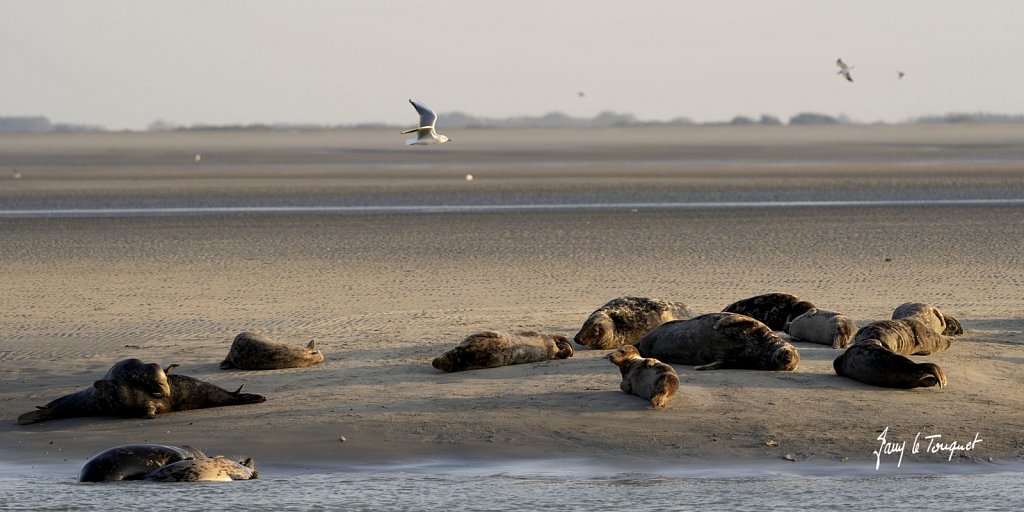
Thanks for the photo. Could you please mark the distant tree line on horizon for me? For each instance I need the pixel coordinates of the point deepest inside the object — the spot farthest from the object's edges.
(460, 120)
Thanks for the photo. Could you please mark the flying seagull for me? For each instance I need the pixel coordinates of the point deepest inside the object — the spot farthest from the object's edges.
(844, 69)
(425, 134)
(900, 75)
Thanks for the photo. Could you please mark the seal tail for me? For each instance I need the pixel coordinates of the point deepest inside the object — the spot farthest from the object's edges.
(41, 414)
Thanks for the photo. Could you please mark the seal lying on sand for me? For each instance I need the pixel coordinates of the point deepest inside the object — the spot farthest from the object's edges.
(772, 309)
(906, 336)
(254, 351)
(209, 469)
(490, 349)
(872, 363)
(931, 316)
(719, 340)
(624, 320)
(114, 397)
(823, 327)
(133, 461)
(645, 377)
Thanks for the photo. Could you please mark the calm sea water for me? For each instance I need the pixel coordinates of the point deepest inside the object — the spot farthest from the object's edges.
(562, 485)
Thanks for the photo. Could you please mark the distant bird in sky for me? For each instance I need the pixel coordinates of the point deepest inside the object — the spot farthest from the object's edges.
(15, 174)
(900, 74)
(581, 94)
(425, 134)
(844, 69)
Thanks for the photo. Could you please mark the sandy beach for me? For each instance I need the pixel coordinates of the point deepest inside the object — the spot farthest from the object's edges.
(384, 292)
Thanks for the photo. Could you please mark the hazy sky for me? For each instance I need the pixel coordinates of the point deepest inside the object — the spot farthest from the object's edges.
(127, 63)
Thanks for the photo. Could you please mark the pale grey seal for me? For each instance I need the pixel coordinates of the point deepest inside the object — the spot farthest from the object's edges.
(624, 320)
(490, 349)
(209, 469)
(906, 336)
(255, 351)
(931, 316)
(645, 377)
(823, 327)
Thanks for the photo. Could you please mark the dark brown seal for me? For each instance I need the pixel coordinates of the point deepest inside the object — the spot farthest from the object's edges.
(823, 327)
(115, 397)
(645, 377)
(719, 340)
(771, 309)
(624, 320)
(906, 336)
(871, 363)
(255, 351)
(490, 349)
(931, 316)
(133, 461)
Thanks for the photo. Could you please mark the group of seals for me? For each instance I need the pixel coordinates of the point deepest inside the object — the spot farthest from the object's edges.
(719, 340)
(255, 351)
(163, 463)
(624, 320)
(878, 353)
(491, 349)
(134, 389)
(645, 377)
(772, 309)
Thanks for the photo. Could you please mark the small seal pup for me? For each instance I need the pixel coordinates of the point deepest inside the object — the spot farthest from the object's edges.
(931, 316)
(906, 336)
(645, 377)
(719, 340)
(871, 363)
(133, 461)
(254, 351)
(491, 349)
(772, 309)
(823, 327)
(624, 320)
(209, 469)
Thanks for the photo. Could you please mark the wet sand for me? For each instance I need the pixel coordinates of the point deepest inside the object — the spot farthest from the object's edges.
(382, 294)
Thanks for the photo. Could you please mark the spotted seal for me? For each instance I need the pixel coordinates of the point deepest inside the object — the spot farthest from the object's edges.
(772, 309)
(906, 336)
(115, 397)
(645, 377)
(823, 327)
(133, 461)
(871, 363)
(624, 320)
(209, 469)
(254, 351)
(931, 316)
(491, 349)
(719, 340)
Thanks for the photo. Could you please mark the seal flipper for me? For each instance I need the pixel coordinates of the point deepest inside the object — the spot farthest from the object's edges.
(717, 365)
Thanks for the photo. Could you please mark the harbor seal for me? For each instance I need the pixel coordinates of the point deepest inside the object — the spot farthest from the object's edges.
(719, 340)
(114, 397)
(209, 469)
(133, 461)
(645, 377)
(491, 349)
(906, 336)
(772, 309)
(624, 320)
(823, 327)
(871, 363)
(931, 316)
(254, 351)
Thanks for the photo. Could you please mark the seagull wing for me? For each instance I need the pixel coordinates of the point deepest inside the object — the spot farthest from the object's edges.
(841, 64)
(427, 116)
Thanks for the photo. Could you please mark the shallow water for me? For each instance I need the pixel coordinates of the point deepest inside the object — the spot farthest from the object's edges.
(540, 485)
